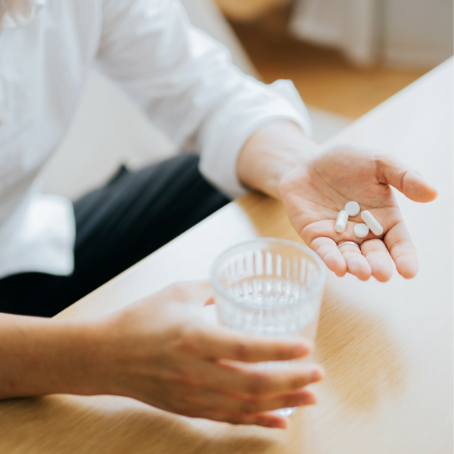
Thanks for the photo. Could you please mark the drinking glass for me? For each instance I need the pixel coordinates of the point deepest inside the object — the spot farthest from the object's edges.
(269, 287)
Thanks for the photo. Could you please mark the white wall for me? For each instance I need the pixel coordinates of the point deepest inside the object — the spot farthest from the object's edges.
(417, 33)
(400, 33)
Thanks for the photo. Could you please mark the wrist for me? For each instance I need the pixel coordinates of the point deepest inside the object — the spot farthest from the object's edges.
(47, 356)
(82, 368)
(72, 357)
(272, 152)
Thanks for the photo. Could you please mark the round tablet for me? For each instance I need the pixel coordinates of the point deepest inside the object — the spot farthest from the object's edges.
(361, 230)
(352, 208)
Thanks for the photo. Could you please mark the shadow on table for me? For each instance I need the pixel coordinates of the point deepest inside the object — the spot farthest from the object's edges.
(355, 346)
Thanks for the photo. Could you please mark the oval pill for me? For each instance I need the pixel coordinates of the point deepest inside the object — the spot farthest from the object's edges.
(352, 208)
(341, 221)
(372, 223)
(361, 230)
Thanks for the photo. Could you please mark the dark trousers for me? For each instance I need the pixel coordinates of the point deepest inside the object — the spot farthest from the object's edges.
(116, 226)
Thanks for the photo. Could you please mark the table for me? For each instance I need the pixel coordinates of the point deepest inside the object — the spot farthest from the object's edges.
(386, 348)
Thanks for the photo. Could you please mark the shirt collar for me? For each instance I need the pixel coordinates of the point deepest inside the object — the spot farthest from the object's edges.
(22, 14)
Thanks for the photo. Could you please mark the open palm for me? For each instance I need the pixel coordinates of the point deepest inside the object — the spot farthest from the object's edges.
(314, 194)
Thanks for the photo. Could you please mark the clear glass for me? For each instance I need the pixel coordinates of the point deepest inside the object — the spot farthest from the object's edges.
(269, 287)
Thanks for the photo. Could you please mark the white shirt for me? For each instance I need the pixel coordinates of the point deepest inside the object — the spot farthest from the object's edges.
(183, 80)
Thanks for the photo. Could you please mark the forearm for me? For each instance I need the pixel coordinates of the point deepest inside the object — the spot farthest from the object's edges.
(42, 356)
(271, 152)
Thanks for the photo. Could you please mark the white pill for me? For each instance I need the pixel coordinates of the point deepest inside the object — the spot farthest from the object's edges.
(372, 223)
(341, 221)
(361, 230)
(352, 208)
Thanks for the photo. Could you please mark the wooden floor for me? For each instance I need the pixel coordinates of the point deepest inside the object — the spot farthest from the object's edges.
(323, 77)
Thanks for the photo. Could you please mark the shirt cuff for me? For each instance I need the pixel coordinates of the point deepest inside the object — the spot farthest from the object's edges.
(229, 128)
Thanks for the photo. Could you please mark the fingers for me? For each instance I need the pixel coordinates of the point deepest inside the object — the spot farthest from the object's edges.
(219, 359)
(403, 178)
(228, 344)
(379, 260)
(374, 260)
(327, 249)
(238, 379)
(356, 262)
(402, 250)
(212, 400)
(347, 258)
(214, 406)
(240, 409)
(271, 420)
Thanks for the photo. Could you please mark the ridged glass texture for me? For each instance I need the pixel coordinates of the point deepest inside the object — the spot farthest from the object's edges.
(268, 287)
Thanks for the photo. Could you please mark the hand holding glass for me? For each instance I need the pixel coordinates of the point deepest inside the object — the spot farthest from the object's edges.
(272, 288)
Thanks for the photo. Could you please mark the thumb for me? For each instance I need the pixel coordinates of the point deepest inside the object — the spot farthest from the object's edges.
(406, 180)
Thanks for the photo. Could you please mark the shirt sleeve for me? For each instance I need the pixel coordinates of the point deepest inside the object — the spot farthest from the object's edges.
(186, 84)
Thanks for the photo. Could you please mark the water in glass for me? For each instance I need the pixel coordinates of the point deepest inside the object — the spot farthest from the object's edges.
(272, 288)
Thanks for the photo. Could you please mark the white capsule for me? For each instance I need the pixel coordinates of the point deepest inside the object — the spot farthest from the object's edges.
(372, 223)
(341, 221)
(352, 208)
(361, 230)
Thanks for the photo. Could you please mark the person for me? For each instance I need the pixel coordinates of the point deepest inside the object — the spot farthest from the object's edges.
(248, 135)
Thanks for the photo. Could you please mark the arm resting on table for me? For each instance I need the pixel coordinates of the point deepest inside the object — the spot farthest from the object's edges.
(41, 356)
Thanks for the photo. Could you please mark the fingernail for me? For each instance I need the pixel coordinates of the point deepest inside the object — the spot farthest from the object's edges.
(303, 349)
(310, 399)
(316, 375)
(278, 424)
